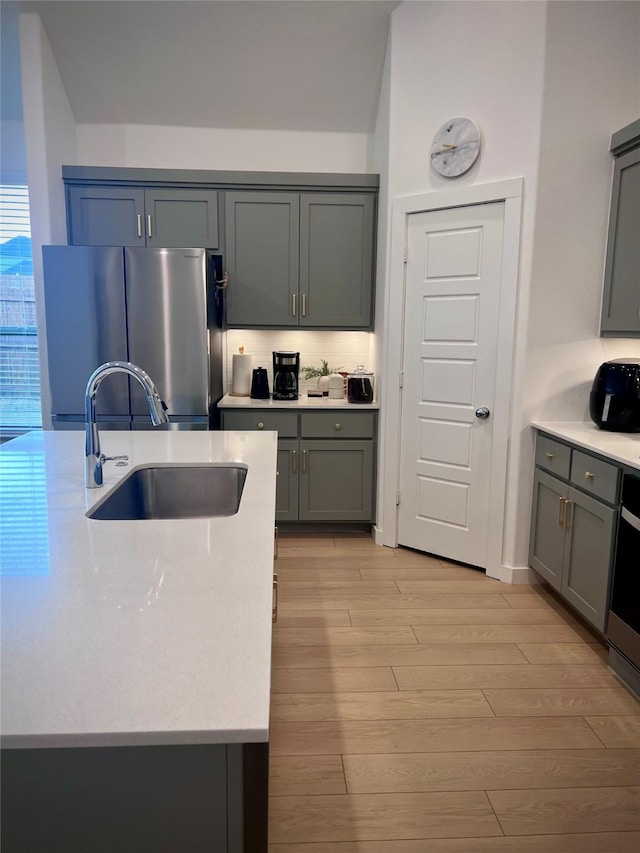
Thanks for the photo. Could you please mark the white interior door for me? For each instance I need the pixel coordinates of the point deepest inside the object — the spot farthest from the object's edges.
(452, 303)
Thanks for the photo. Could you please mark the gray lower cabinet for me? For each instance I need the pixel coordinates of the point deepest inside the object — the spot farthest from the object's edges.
(300, 259)
(133, 216)
(621, 300)
(207, 797)
(325, 462)
(572, 531)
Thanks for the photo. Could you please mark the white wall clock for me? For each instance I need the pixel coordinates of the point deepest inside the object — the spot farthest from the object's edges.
(455, 147)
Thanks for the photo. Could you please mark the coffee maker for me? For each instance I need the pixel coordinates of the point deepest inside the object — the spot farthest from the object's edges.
(286, 366)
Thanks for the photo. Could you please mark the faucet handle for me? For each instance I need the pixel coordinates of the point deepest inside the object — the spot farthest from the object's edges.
(104, 458)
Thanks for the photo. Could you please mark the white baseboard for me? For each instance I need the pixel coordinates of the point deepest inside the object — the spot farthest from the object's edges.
(378, 535)
(517, 575)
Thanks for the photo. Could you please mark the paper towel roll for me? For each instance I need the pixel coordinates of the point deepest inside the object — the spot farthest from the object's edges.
(241, 375)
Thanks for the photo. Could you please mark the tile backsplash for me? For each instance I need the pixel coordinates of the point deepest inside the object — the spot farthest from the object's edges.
(343, 350)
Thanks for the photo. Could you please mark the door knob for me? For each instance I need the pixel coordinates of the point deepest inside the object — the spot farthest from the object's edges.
(483, 413)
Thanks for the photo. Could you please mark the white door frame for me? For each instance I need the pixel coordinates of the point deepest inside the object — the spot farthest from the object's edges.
(510, 192)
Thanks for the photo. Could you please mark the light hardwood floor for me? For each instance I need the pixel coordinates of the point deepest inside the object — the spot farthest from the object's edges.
(419, 707)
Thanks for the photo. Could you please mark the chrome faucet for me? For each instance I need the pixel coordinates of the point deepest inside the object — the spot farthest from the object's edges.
(93, 457)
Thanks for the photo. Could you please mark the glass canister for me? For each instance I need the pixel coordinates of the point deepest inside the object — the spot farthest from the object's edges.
(360, 385)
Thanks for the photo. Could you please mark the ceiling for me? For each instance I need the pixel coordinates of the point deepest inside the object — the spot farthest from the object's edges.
(296, 65)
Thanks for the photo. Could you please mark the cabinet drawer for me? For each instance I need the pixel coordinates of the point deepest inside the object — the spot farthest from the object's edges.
(284, 423)
(600, 479)
(553, 456)
(338, 424)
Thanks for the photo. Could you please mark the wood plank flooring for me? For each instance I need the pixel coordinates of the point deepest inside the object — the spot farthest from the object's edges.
(419, 707)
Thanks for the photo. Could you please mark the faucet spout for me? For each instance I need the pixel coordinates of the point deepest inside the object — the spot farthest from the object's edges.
(93, 457)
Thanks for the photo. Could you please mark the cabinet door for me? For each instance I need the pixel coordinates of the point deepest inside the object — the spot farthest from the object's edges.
(621, 303)
(546, 548)
(589, 545)
(336, 480)
(262, 235)
(336, 260)
(106, 216)
(181, 218)
(287, 480)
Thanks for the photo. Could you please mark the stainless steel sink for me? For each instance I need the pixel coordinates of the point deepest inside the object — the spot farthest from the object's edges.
(166, 491)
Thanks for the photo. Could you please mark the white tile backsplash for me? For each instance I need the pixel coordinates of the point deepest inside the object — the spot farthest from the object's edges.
(343, 350)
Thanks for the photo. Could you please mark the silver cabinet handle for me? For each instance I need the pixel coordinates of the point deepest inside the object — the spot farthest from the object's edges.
(260, 425)
(139, 221)
(304, 304)
(337, 426)
(549, 455)
(294, 462)
(483, 413)
(294, 307)
(561, 511)
(568, 514)
(274, 612)
(304, 461)
(588, 475)
(149, 234)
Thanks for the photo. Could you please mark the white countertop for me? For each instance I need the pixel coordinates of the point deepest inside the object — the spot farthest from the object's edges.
(303, 402)
(622, 447)
(133, 632)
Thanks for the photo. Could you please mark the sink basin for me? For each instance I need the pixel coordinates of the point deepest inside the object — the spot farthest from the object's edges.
(164, 491)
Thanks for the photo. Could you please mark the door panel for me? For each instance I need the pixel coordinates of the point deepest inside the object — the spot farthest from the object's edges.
(452, 299)
(162, 284)
(262, 236)
(182, 218)
(106, 216)
(85, 318)
(585, 584)
(336, 260)
(546, 549)
(336, 480)
(287, 480)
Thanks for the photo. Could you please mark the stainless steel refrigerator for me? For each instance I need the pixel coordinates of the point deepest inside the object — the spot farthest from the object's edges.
(158, 308)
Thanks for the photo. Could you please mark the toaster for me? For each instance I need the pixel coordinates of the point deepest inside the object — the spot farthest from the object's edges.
(614, 402)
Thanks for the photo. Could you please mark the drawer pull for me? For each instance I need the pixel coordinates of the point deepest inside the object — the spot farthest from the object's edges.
(588, 475)
(337, 426)
(294, 309)
(149, 231)
(304, 461)
(139, 220)
(549, 455)
(260, 425)
(568, 513)
(294, 462)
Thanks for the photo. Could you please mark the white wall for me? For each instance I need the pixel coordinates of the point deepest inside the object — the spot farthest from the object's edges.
(547, 84)
(50, 136)
(591, 88)
(218, 148)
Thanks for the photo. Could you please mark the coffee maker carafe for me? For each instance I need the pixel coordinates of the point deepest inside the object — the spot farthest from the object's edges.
(286, 366)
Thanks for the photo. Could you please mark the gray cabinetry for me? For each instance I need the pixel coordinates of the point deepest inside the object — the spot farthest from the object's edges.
(325, 462)
(132, 216)
(572, 527)
(621, 300)
(300, 259)
(262, 251)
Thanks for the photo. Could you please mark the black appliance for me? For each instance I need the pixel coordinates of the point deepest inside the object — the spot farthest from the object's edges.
(286, 366)
(614, 402)
(623, 628)
(260, 384)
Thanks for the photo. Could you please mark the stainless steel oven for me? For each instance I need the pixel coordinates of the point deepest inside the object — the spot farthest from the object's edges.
(623, 632)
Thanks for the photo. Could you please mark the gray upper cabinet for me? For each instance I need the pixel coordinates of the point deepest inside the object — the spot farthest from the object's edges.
(621, 299)
(336, 260)
(106, 216)
(181, 218)
(130, 216)
(262, 245)
(300, 259)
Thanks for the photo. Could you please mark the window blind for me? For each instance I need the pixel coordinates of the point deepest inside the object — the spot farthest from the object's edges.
(19, 362)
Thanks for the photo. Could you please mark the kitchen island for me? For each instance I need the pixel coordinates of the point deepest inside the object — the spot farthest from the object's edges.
(135, 654)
